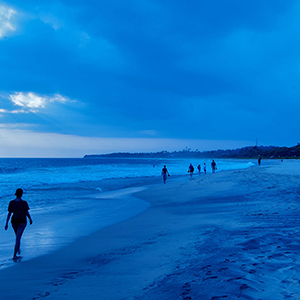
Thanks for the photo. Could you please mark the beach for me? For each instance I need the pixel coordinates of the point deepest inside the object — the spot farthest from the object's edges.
(229, 235)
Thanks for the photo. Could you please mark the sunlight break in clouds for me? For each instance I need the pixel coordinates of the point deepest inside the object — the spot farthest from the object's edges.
(33, 101)
(6, 16)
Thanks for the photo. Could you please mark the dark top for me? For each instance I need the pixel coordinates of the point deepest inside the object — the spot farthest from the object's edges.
(19, 210)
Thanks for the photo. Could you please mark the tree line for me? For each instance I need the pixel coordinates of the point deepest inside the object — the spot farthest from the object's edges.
(245, 152)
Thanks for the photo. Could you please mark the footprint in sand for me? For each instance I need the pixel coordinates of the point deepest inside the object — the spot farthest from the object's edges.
(186, 290)
(244, 287)
(231, 279)
(275, 255)
(222, 269)
(205, 267)
(211, 277)
(42, 295)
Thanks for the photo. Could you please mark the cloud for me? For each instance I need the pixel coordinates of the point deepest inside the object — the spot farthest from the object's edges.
(16, 111)
(28, 100)
(33, 101)
(7, 15)
(211, 69)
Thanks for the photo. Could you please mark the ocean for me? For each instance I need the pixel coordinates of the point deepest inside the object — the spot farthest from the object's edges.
(71, 198)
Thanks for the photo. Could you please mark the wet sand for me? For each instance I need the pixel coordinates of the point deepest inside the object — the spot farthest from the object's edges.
(229, 235)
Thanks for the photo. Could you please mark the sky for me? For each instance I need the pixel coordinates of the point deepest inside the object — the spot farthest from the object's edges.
(88, 77)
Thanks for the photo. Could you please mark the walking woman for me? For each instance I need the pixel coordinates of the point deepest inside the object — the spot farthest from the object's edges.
(165, 173)
(19, 210)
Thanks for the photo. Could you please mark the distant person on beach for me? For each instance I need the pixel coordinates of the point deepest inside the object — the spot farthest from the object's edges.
(19, 210)
(165, 174)
(199, 169)
(191, 170)
(259, 160)
(204, 168)
(213, 166)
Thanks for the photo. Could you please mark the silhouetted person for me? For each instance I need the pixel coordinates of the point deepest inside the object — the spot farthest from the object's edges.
(259, 160)
(204, 168)
(213, 166)
(199, 169)
(165, 173)
(191, 170)
(19, 210)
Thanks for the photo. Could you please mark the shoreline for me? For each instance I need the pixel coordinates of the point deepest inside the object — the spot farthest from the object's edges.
(49, 231)
(199, 238)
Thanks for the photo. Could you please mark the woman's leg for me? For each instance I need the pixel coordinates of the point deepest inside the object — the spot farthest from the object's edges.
(165, 178)
(19, 229)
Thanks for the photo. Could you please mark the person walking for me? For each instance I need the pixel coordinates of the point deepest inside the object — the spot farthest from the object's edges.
(18, 208)
(191, 170)
(165, 174)
(199, 169)
(259, 160)
(204, 168)
(213, 166)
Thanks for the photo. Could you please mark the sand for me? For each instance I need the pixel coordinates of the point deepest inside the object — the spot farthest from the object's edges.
(228, 235)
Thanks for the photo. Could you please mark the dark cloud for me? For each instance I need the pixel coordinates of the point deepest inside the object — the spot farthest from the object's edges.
(197, 69)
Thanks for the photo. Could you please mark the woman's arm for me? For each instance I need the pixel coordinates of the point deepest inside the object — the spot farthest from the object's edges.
(7, 220)
(29, 217)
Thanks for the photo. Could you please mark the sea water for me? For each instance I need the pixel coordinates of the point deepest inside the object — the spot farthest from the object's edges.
(71, 198)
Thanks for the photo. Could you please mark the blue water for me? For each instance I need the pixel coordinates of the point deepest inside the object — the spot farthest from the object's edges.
(30, 173)
(59, 195)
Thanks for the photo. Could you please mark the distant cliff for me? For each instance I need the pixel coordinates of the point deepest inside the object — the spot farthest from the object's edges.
(246, 152)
